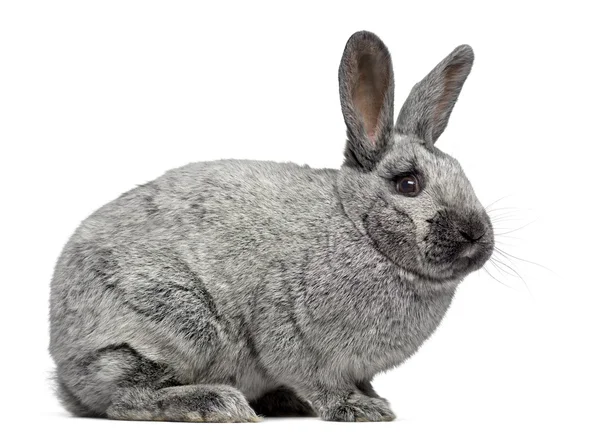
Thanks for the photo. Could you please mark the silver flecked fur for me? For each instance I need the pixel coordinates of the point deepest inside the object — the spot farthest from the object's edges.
(229, 290)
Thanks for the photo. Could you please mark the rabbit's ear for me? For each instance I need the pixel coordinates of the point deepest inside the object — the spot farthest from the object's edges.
(367, 96)
(427, 109)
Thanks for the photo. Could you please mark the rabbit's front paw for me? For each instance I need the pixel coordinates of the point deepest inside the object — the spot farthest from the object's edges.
(358, 408)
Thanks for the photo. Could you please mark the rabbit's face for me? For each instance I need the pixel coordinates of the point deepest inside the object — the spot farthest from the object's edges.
(424, 214)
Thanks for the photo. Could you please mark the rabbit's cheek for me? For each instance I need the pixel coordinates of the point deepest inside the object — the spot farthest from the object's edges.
(392, 233)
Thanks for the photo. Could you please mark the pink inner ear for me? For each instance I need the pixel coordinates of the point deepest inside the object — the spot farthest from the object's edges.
(369, 90)
(453, 75)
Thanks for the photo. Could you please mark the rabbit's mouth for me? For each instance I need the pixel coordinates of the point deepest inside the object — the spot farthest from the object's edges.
(460, 260)
(471, 258)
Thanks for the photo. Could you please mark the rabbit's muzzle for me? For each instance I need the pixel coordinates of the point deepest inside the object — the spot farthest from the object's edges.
(459, 242)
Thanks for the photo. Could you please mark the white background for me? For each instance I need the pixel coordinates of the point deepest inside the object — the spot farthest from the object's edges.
(96, 97)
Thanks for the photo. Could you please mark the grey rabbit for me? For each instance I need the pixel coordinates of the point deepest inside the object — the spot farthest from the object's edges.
(228, 290)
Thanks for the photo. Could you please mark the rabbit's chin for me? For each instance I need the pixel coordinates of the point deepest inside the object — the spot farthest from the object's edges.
(466, 263)
(441, 278)
(451, 271)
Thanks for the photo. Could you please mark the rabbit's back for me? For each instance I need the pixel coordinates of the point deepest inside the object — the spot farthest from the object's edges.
(137, 270)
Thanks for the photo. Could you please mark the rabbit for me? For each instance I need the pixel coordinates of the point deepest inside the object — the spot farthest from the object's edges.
(232, 290)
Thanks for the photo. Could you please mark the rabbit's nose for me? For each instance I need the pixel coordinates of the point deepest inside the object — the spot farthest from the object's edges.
(471, 227)
(471, 236)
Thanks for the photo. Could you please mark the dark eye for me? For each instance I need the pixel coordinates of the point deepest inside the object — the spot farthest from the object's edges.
(408, 185)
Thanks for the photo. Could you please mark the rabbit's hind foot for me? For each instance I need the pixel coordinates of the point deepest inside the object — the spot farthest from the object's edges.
(185, 403)
(119, 383)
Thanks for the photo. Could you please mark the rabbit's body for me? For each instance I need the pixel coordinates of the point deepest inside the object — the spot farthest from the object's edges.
(226, 287)
(205, 270)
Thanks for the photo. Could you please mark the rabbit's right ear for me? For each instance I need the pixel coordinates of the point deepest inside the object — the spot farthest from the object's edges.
(367, 97)
(427, 109)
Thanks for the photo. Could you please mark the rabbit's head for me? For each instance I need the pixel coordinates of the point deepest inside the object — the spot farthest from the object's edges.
(412, 200)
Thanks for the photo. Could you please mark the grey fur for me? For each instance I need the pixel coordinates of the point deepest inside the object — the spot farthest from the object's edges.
(230, 285)
(427, 109)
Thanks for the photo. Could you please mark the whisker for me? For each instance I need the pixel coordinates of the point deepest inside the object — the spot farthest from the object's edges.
(504, 237)
(499, 269)
(503, 215)
(493, 203)
(506, 209)
(514, 273)
(505, 220)
(507, 255)
(488, 272)
(517, 229)
(495, 262)
(503, 230)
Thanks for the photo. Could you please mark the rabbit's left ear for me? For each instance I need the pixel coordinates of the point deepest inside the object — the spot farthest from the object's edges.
(367, 97)
(427, 109)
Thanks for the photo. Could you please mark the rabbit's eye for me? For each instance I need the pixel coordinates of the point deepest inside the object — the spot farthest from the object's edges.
(408, 185)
